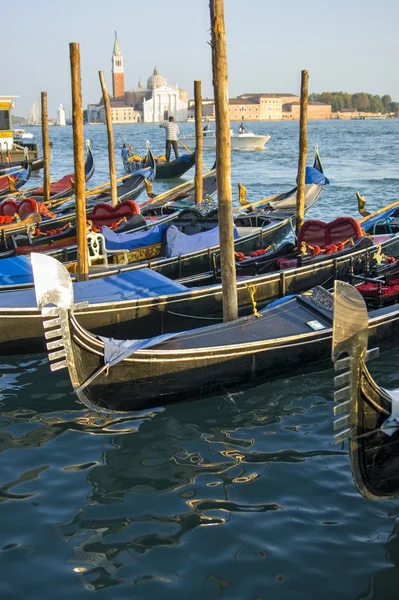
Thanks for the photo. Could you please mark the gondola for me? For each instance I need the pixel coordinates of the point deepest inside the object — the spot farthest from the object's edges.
(60, 230)
(36, 164)
(147, 303)
(367, 414)
(165, 170)
(13, 180)
(64, 186)
(132, 374)
(193, 239)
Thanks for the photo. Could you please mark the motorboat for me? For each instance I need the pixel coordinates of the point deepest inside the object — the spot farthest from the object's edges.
(21, 134)
(239, 141)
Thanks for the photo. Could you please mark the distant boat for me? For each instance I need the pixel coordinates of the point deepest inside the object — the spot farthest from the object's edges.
(376, 117)
(239, 141)
(21, 134)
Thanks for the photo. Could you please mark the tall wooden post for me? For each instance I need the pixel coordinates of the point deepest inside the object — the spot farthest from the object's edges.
(78, 159)
(46, 148)
(223, 159)
(111, 148)
(303, 150)
(198, 142)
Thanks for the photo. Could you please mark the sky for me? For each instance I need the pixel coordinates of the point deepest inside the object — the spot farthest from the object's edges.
(346, 46)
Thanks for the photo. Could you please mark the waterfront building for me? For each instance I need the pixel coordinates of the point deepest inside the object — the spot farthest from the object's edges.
(6, 133)
(316, 111)
(154, 103)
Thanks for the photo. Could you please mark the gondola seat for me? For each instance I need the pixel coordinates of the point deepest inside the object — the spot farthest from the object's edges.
(27, 206)
(318, 233)
(383, 291)
(106, 214)
(314, 232)
(8, 208)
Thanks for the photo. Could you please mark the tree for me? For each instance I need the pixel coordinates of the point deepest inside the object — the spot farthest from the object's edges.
(386, 100)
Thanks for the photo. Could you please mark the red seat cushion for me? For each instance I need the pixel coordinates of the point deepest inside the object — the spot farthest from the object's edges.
(286, 263)
(343, 229)
(319, 233)
(106, 214)
(8, 208)
(313, 232)
(29, 205)
(370, 290)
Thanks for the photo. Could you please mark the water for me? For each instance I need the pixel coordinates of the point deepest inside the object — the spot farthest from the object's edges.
(240, 496)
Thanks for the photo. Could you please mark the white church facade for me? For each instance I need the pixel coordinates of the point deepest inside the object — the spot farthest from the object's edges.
(154, 103)
(165, 102)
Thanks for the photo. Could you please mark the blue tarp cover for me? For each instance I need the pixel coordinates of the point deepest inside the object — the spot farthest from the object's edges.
(15, 270)
(180, 243)
(369, 223)
(135, 240)
(131, 285)
(314, 176)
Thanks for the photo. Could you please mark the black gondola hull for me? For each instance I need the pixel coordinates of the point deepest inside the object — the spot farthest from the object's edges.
(141, 318)
(228, 356)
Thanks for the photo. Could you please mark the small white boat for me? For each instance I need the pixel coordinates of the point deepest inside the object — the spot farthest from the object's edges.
(239, 141)
(21, 134)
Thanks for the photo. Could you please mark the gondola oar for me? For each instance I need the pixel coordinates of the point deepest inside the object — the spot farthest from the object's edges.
(190, 151)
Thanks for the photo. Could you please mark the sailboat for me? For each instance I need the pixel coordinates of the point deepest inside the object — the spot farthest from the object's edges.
(34, 117)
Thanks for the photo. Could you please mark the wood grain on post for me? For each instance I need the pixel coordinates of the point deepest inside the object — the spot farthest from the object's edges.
(198, 142)
(79, 162)
(46, 148)
(223, 159)
(303, 150)
(111, 148)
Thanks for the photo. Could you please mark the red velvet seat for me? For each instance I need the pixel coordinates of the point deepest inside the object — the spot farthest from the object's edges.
(8, 208)
(286, 263)
(319, 233)
(27, 206)
(107, 214)
(370, 290)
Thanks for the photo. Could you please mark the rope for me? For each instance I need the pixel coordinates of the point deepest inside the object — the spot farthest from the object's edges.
(252, 291)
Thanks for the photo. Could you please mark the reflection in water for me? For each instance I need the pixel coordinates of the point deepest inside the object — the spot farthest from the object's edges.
(384, 584)
(214, 496)
(199, 459)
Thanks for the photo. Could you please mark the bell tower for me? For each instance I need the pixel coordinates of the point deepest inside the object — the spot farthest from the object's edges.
(118, 72)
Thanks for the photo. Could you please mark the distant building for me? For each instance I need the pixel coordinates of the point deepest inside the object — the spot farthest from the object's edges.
(316, 111)
(118, 72)
(152, 104)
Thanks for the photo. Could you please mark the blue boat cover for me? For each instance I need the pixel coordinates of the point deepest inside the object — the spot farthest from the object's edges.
(131, 285)
(180, 243)
(134, 240)
(314, 176)
(15, 270)
(369, 223)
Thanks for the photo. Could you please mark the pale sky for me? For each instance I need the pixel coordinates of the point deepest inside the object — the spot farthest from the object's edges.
(347, 45)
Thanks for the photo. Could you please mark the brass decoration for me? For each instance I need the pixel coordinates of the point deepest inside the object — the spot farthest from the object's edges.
(242, 192)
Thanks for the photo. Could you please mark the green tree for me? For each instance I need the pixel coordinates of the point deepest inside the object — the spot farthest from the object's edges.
(386, 100)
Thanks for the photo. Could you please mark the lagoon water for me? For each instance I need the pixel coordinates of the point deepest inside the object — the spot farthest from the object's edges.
(241, 496)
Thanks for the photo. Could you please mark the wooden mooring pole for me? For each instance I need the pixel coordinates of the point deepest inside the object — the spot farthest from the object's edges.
(46, 148)
(111, 147)
(223, 159)
(198, 142)
(303, 150)
(78, 159)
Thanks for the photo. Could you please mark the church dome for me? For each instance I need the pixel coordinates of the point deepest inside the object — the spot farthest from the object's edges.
(156, 80)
